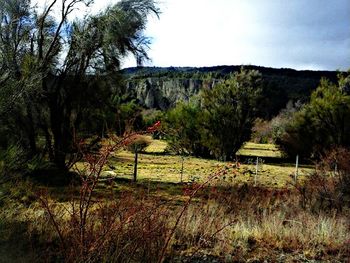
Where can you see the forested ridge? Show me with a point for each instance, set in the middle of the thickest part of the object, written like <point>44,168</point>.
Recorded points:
<point>281,85</point>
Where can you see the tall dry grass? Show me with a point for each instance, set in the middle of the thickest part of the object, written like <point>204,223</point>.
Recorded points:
<point>134,228</point>
<point>224,223</point>
<point>243,234</point>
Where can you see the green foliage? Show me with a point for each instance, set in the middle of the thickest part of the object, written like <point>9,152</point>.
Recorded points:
<point>262,132</point>
<point>51,85</point>
<point>182,126</point>
<point>279,123</point>
<point>129,117</point>
<point>12,159</point>
<point>321,124</point>
<point>280,85</point>
<point>230,109</point>
<point>151,116</point>
<point>37,163</point>
<point>219,121</point>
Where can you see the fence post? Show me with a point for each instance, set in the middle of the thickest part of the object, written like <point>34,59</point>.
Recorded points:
<point>296,168</point>
<point>256,171</point>
<point>135,164</point>
<point>335,169</point>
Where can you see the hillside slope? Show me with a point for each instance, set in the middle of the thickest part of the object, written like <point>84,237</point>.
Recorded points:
<point>162,88</point>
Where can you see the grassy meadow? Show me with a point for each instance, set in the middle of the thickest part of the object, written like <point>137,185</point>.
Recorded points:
<point>156,166</point>
<point>230,219</point>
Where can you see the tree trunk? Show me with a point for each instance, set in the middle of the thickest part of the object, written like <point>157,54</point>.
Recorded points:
<point>60,113</point>
<point>31,132</point>
<point>57,131</point>
<point>48,142</point>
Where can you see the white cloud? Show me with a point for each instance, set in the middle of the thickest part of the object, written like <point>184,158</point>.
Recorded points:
<point>312,34</point>
<point>275,33</point>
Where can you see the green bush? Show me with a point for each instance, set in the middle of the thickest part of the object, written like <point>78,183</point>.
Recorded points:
<point>183,129</point>
<point>229,110</point>
<point>13,159</point>
<point>321,124</point>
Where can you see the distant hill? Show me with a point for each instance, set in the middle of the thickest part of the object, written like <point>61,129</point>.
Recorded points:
<point>224,70</point>
<point>162,88</point>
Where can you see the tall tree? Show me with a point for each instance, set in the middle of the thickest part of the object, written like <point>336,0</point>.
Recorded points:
<point>182,128</point>
<point>17,81</point>
<point>51,66</point>
<point>230,109</point>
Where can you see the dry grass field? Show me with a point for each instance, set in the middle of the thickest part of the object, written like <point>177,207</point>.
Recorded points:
<point>155,166</point>
<point>230,219</point>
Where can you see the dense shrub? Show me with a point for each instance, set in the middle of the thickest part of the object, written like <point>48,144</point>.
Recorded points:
<point>321,124</point>
<point>262,131</point>
<point>151,116</point>
<point>220,120</point>
<point>183,129</point>
<point>229,110</point>
<point>12,160</point>
<point>328,188</point>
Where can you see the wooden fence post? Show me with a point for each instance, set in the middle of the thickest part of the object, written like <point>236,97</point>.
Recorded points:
<point>296,168</point>
<point>135,164</point>
<point>256,171</point>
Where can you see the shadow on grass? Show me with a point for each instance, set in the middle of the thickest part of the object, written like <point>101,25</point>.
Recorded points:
<point>53,177</point>
<point>149,186</point>
<point>179,192</point>
<point>16,245</point>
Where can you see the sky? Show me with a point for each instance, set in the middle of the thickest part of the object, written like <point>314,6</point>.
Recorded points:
<point>299,34</point>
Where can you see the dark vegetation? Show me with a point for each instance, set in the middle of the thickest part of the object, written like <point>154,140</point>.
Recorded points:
<point>219,120</point>
<point>66,109</point>
<point>222,119</point>
<point>280,85</point>
<point>60,80</point>
<point>321,124</point>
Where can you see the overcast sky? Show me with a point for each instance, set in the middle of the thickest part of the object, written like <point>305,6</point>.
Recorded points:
<point>300,34</point>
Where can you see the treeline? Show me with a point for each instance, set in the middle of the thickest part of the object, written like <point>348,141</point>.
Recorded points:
<point>218,121</point>
<point>221,72</point>
<point>280,85</point>
<point>304,112</point>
